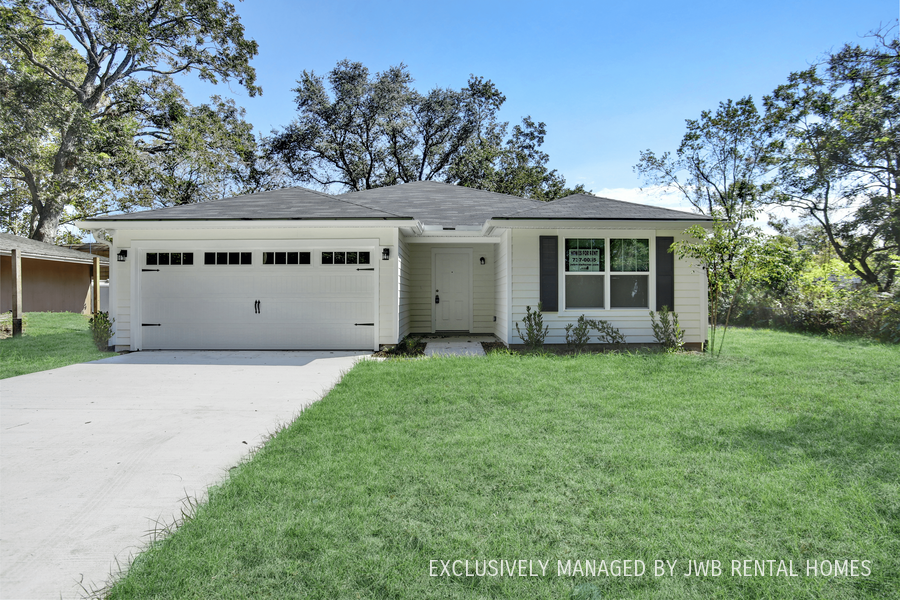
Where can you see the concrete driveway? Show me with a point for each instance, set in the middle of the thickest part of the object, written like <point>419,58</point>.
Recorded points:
<point>92,456</point>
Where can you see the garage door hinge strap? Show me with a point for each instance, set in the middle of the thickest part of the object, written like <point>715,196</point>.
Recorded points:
<point>151,325</point>
<point>369,269</point>
<point>365,324</point>
<point>145,270</point>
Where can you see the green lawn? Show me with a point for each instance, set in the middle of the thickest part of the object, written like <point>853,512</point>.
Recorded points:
<point>787,449</point>
<point>50,340</point>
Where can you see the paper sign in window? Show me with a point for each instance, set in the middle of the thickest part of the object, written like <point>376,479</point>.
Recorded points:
<point>584,260</point>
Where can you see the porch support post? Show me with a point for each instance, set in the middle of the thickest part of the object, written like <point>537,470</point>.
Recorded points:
<point>16,261</point>
<point>95,278</point>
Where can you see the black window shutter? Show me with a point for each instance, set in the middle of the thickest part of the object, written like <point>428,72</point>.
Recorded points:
<point>549,263</point>
<point>665,273</point>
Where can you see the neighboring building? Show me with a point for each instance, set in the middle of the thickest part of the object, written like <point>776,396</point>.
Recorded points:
<point>54,279</point>
<point>299,269</point>
<point>97,248</point>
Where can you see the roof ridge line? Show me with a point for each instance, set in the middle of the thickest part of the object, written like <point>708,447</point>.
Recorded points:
<point>573,196</point>
<point>372,208</point>
<point>511,196</point>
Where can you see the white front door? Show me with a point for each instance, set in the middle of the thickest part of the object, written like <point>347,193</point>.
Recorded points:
<point>453,290</point>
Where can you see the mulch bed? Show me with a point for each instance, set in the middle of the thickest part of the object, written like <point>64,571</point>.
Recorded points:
<point>492,346</point>
<point>402,351</point>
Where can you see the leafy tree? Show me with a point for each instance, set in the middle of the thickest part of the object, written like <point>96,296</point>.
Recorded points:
<point>722,165</point>
<point>840,122</point>
<point>517,166</point>
<point>361,131</point>
<point>81,131</point>
<point>731,264</point>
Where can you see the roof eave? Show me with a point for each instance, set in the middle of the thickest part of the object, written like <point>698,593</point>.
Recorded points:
<point>532,222</point>
<point>93,224</point>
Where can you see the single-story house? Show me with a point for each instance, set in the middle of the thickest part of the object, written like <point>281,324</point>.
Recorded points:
<point>300,269</point>
<point>54,279</point>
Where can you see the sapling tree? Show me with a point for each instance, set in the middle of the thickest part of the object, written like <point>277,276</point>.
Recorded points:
<point>731,262</point>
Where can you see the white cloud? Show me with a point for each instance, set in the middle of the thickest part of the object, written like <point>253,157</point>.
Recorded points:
<point>658,195</point>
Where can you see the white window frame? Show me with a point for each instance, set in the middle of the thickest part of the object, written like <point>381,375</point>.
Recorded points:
<point>607,236</point>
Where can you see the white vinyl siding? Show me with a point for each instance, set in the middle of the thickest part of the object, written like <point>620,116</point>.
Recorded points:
<point>421,292</point>
<point>690,293</point>
<point>404,286</point>
<point>501,287</point>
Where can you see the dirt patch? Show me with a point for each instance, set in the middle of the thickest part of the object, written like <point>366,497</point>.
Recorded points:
<point>408,348</point>
<point>6,325</point>
<point>493,346</point>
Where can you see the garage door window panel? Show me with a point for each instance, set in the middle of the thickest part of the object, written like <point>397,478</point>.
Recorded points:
<point>226,258</point>
<point>155,259</point>
<point>285,258</point>
<point>346,258</point>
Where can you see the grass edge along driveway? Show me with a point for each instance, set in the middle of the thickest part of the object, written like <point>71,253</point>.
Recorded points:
<point>785,449</point>
<point>50,341</point>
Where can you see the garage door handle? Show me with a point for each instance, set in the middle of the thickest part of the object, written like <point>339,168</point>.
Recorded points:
<point>145,270</point>
<point>365,324</point>
<point>369,269</point>
<point>151,325</point>
<point>256,307</point>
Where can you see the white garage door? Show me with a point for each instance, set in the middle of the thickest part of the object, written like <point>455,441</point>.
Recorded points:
<point>258,300</point>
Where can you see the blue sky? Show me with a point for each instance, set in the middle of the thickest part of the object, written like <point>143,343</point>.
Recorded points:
<point>608,79</point>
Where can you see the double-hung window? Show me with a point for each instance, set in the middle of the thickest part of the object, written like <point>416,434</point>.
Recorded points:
<point>606,273</point>
<point>585,269</point>
<point>629,279</point>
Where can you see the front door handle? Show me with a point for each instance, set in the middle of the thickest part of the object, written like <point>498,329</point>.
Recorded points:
<point>437,299</point>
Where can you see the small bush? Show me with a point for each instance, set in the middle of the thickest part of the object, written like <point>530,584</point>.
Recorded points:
<point>535,331</point>
<point>667,331</point>
<point>608,333</point>
<point>101,329</point>
<point>578,335</point>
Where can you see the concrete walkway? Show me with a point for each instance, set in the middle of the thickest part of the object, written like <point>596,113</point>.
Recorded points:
<point>93,455</point>
<point>456,345</point>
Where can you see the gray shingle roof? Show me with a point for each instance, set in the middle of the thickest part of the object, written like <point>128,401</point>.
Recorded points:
<point>34,249</point>
<point>289,203</point>
<point>430,202</point>
<point>587,207</point>
<point>435,203</point>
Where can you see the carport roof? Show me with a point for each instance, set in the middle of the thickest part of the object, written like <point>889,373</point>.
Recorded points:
<point>295,203</point>
<point>42,250</point>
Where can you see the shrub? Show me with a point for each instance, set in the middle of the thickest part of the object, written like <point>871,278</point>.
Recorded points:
<point>820,302</point>
<point>101,329</point>
<point>667,331</point>
<point>608,333</point>
<point>535,331</point>
<point>578,335</point>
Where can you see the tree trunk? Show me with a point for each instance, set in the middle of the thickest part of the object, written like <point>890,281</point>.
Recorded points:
<point>48,221</point>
